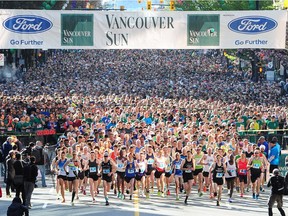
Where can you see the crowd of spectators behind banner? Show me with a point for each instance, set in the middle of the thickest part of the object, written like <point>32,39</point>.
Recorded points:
<point>167,93</point>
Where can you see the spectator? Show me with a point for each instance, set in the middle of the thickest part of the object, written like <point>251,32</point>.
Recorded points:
<point>17,209</point>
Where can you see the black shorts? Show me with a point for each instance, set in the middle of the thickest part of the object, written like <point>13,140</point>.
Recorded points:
<point>81,175</point>
<point>168,174</point>
<point>206,174</point>
<point>121,174</point>
<point>128,179</point>
<point>94,177</point>
<point>218,181</point>
<point>243,178</point>
<point>62,177</point>
<point>197,171</point>
<point>107,178</point>
<point>86,172</point>
<point>255,174</point>
<point>158,174</point>
<point>71,178</point>
<point>149,171</point>
<point>230,179</point>
<point>139,177</point>
<point>187,177</point>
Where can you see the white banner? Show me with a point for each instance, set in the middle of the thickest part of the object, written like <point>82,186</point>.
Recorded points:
<point>23,29</point>
<point>2,59</point>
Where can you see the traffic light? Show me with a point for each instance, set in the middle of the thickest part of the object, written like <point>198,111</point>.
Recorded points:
<point>172,5</point>
<point>149,5</point>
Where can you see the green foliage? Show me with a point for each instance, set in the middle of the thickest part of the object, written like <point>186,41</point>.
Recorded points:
<point>226,5</point>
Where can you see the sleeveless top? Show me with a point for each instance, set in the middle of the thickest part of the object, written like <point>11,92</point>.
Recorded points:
<point>130,169</point>
<point>188,164</point>
<point>218,171</point>
<point>61,167</point>
<point>106,167</point>
<point>120,165</point>
<point>242,167</point>
<point>93,167</point>
<point>232,169</point>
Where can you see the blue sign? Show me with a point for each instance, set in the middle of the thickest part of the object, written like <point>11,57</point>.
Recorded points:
<point>252,25</point>
<point>27,24</point>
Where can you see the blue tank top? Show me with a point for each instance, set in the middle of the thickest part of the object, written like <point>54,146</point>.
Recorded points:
<point>177,166</point>
<point>130,170</point>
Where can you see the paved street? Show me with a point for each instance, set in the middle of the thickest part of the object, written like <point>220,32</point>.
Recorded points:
<point>44,203</point>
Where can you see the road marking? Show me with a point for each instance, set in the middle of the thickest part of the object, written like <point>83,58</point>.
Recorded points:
<point>136,204</point>
<point>44,206</point>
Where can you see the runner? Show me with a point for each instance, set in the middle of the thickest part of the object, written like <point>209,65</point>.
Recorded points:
<point>54,170</point>
<point>93,167</point>
<point>217,171</point>
<point>160,164</point>
<point>72,174</point>
<point>150,170</point>
<point>176,166</point>
<point>207,160</point>
<point>188,166</point>
<point>120,160</point>
<point>130,170</point>
<point>108,167</point>
<point>62,176</point>
<point>168,168</point>
<point>256,168</point>
<point>242,163</point>
<point>230,175</point>
<point>140,174</point>
<point>198,169</point>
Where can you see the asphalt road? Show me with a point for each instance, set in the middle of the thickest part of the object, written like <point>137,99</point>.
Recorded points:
<point>45,203</point>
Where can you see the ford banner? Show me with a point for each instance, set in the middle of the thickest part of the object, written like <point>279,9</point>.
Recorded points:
<point>49,29</point>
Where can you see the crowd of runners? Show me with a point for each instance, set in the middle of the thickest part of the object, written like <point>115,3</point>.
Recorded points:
<point>139,121</point>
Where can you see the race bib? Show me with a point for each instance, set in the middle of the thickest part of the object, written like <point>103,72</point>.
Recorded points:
<point>256,166</point>
<point>161,165</point>
<point>106,171</point>
<point>92,169</point>
<point>243,171</point>
<point>131,171</point>
<point>219,175</point>
<point>120,166</point>
<point>150,161</point>
<point>177,166</point>
<point>39,126</point>
<point>73,168</point>
<point>232,171</point>
<point>142,170</point>
<point>9,129</point>
<point>188,171</point>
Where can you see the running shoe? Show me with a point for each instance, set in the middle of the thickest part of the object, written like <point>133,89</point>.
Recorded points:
<point>241,195</point>
<point>204,189</point>
<point>247,190</point>
<point>217,204</point>
<point>257,196</point>
<point>253,196</point>
<point>177,198</point>
<point>215,194</point>
<point>115,192</point>
<point>162,194</point>
<point>200,194</point>
<point>159,193</point>
<point>119,195</point>
<point>8,196</point>
<point>237,189</point>
<point>185,201</point>
<point>122,196</point>
<point>93,201</point>
<point>84,192</point>
<point>168,193</point>
<point>127,191</point>
<point>130,197</point>
<point>147,195</point>
<point>107,203</point>
<point>230,200</point>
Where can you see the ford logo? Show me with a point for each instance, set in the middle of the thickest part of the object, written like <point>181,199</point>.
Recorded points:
<point>252,25</point>
<point>27,24</point>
